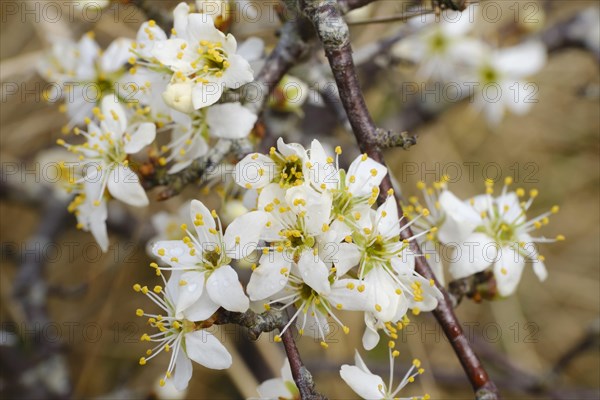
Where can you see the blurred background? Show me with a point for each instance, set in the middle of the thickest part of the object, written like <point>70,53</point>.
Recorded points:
<point>68,322</point>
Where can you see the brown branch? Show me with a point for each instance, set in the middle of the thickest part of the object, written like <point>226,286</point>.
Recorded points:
<point>302,376</point>
<point>255,323</point>
<point>334,35</point>
<point>269,321</point>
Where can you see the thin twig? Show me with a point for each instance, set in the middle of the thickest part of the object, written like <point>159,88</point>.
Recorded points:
<point>392,18</point>
<point>302,376</point>
<point>334,34</point>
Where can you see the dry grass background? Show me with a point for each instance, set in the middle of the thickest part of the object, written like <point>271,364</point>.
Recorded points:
<point>559,136</point>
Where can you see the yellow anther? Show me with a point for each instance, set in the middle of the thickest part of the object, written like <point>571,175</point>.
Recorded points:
<point>143,361</point>
<point>338,150</point>
<point>137,287</point>
<point>324,345</point>
<point>361,288</point>
<point>139,312</point>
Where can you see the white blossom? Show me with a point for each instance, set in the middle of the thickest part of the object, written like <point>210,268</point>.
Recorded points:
<point>501,75</point>
<point>440,45</point>
<point>283,387</point>
<point>494,232</point>
<point>179,335</point>
<point>84,74</point>
<point>105,166</point>
<point>372,387</point>
<point>201,261</point>
<point>192,132</point>
<point>203,61</point>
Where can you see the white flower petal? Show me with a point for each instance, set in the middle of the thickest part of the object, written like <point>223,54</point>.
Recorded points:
<point>267,279</point>
<point>273,389</point>
<point>387,217</point>
<point>206,350</point>
<point>314,272</point>
<point>124,185</point>
<point>474,255</point>
<point>461,219</point>
<point>115,119</point>
<point>199,212</point>
<point>202,309</point>
<point>180,17</point>
<point>142,137</point>
<point>370,337</point>
<point>344,298</point>
<point>520,61</point>
<point>230,120</point>
<point>381,292</point>
<point>508,270</point>
<point>239,72</point>
<point>252,49</point>
<point>364,384</point>
<point>367,174</point>
<point>346,257</point>
<point>175,253</point>
<point>225,289</point>
<point>243,234</point>
<point>116,55</point>
<point>206,94</point>
<point>183,371</point>
<point>254,171</point>
<point>190,292</point>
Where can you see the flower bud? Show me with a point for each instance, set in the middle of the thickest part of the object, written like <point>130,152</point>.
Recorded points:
<point>178,96</point>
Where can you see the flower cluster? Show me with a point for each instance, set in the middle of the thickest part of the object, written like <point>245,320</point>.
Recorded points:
<point>318,243</point>
<point>326,249</point>
<point>322,249</point>
<point>136,89</point>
